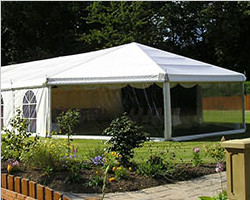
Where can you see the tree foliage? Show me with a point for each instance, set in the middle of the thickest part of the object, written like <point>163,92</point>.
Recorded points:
<point>214,32</point>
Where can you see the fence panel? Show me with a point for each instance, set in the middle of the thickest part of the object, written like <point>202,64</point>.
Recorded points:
<point>16,188</point>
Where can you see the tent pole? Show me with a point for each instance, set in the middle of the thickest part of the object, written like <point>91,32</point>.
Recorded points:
<point>167,111</point>
<point>243,105</point>
<point>49,113</point>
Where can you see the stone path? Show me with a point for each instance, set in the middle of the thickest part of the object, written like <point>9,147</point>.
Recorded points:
<point>207,185</point>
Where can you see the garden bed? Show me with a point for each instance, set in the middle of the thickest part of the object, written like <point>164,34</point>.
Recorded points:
<point>132,182</point>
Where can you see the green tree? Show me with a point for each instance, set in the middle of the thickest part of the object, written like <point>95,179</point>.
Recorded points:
<point>39,30</point>
<point>228,31</point>
<point>116,23</point>
<point>67,122</point>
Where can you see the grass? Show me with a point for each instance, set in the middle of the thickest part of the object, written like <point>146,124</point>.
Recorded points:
<point>223,116</point>
<point>180,150</point>
<point>247,117</point>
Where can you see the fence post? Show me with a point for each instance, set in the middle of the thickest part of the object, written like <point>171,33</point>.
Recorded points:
<point>11,182</point>
<point>40,192</point>
<point>4,181</point>
<point>17,184</point>
<point>32,189</point>
<point>25,186</point>
<point>238,168</point>
<point>48,194</point>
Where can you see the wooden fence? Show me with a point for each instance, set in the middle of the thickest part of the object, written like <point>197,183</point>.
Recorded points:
<point>17,188</point>
<point>227,103</point>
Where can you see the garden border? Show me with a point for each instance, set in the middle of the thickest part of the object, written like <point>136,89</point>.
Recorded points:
<point>17,188</point>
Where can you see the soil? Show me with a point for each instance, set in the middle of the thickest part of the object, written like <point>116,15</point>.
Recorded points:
<point>132,182</point>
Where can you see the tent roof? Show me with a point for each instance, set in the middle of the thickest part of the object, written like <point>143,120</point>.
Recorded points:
<point>129,63</point>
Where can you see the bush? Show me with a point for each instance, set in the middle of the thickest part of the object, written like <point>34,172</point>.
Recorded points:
<point>17,139</point>
<point>125,136</point>
<point>46,153</point>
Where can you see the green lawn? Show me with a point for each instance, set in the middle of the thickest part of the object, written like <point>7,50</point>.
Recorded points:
<point>223,116</point>
<point>247,117</point>
<point>176,150</point>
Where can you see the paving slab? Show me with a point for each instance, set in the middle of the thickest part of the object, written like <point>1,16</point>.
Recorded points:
<point>208,185</point>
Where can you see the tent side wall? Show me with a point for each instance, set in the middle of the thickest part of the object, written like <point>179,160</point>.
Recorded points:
<point>33,102</point>
<point>8,106</point>
<point>207,109</point>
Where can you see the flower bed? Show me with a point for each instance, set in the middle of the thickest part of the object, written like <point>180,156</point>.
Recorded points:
<point>133,181</point>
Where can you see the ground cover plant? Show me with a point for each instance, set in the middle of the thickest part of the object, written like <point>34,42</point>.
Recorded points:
<point>94,166</point>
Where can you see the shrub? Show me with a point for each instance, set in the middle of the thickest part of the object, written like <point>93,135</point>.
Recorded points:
<point>125,136</point>
<point>46,153</point>
<point>17,139</point>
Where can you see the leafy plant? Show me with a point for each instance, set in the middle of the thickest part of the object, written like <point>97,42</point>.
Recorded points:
<point>95,180</point>
<point>121,172</point>
<point>74,171</point>
<point>155,167</point>
<point>112,159</point>
<point>67,122</point>
<point>216,151</point>
<point>47,174</point>
<point>46,153</point>
<point>125,136</point>
<point>221,196</point>
<point>17,139</point>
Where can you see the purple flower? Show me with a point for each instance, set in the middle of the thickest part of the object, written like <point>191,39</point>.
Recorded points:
<point>16,163</point>
<point>13,162</point>
<point>98,160</point>
<point>219,167</point>
<point>196,150</point>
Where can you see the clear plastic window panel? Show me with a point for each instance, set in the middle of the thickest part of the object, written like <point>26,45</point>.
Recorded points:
<point>99,105</point>
<point>29,110</point>
<point>206,108</point>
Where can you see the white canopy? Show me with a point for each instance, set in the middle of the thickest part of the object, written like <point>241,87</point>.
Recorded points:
<point>130,63</point>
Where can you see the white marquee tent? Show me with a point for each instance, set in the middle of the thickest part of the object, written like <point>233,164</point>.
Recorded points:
<point>39,86</point>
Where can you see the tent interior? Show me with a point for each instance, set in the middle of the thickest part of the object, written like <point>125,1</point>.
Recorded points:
<point>196,108</point>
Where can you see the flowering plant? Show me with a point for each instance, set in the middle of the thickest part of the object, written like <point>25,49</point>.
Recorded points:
<point>98,160</point>
<point>112,159</point>
<point>196,157</point>
<point>13,165</point>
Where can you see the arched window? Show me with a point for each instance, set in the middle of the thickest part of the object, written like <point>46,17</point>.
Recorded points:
<point>29,110</point>
<point>2,112</point>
